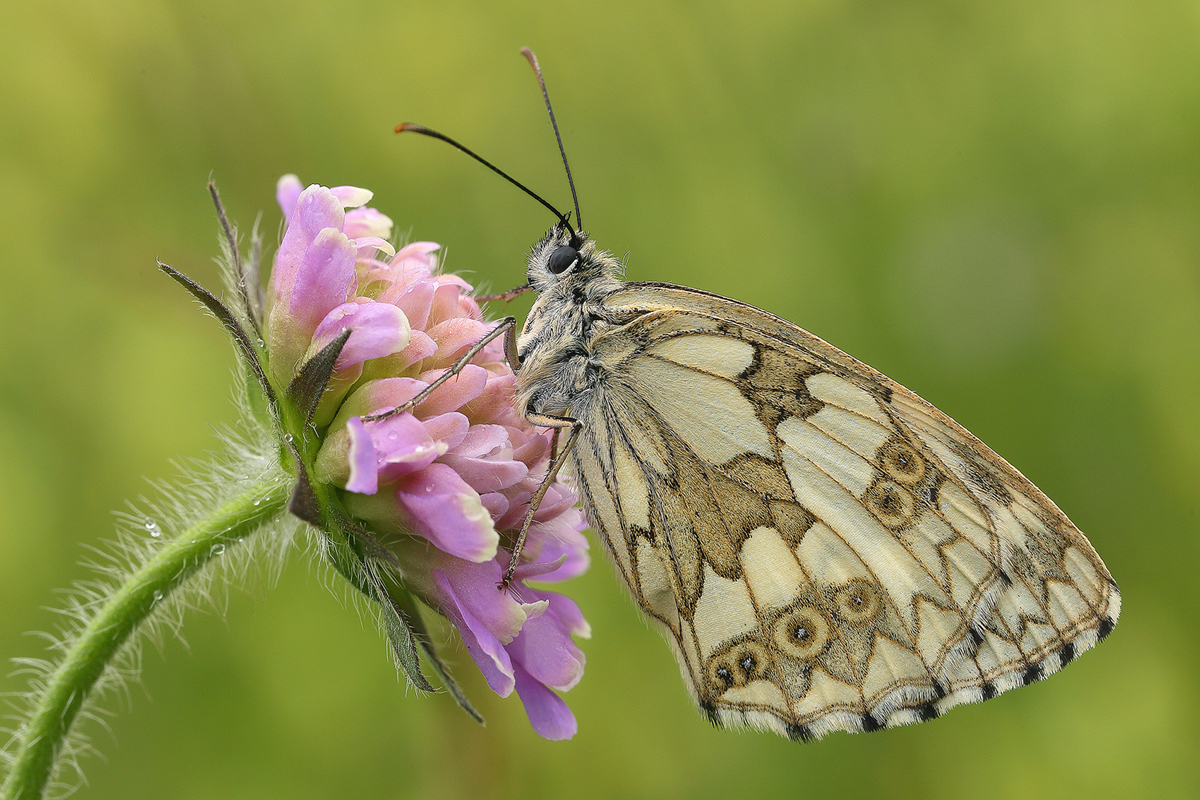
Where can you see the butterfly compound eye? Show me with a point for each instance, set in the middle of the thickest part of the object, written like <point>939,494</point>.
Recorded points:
<point>562,259</point>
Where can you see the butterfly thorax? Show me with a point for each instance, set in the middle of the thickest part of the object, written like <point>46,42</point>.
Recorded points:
<point>555,346</point>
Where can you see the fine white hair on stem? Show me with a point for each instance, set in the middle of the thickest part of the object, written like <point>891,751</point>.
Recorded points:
<point>247,457</point>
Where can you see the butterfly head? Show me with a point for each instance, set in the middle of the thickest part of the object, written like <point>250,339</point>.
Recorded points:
<point>565,259</point>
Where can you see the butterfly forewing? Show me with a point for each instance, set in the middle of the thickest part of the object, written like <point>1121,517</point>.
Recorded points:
<point>825,550</point>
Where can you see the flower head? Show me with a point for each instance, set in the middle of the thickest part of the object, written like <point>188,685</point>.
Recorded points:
<point>446,481</point>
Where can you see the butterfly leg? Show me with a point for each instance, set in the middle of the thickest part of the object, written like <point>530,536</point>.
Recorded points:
<point>505,296</point>
<point>504,328</point>
<point>535,502</point>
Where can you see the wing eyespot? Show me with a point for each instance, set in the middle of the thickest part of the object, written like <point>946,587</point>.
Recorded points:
<point>858,601</point>
<point>901,461</point>
<point>802,633</point>
<point>737,665</point>
<point>891,503</point>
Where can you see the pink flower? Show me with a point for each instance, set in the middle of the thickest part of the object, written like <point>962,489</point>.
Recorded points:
<point>447,482</point>
<point>520,639</point>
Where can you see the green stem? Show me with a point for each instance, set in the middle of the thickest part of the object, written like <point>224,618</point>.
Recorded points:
<point>41,740</point>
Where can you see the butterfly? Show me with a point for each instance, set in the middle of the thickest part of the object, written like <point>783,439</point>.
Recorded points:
<point>823,549</point>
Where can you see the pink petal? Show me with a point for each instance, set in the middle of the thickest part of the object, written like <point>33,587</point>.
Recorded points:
<point>419,348</point>
<point>567,612</point>
<point>555,545</point>
<point>368,246</point>
<point>364,470</point>
<point>287,192</point>
<point>381,395</point>
<point>419,251</point>
<point>486,475</point>
<point>481,440</point>
<point>489,655</point>
<point>415,301</point>
<point>525,572</point>
<point>495,503</point>
<point>448,512</point>
<point>557,500</point>
<point>475,590</point>
<point>445,302</point>
<point>455,335</point>
<point>376,330</point>
<point>403,446</point>
<point>517,508</point>
<point>367,222</point>
<point>452,394</point>
<point>456,280</point>
<point>449,428</point>
<point>408,272</point>
<point>324,277</point>
<point>533,451</point>
<point>468,307</point>
<point>546,650</point>
<point>314,283</point>
<point>496,401</point>
<point>548,713</point>
<point>314,210</point>
<point>352,196</point>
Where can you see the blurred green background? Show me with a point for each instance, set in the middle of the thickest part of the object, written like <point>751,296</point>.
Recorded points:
<point>997,204</point>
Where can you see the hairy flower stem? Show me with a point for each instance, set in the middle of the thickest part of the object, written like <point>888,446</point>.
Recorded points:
<point>41,741</point>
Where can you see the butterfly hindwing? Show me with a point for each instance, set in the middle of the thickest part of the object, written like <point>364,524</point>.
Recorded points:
<point>825,550</point>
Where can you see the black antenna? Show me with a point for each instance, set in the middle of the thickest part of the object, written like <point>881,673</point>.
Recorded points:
<point>533,62</point>
<point>409,127</point>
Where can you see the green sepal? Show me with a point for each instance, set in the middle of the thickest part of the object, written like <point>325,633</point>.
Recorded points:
<point>348,560</point>
<point>248,287</point>
<point>240,338</point>
<point>413,613</point>
<point>305,504</point>
<point>358,557</point>
<point>400,633</point>
<point>251,276</point>
<point>372,548</point>
<point>253,396</point>
<point>305,390</point>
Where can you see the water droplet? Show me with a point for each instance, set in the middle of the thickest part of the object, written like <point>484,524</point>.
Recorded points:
<point>257,500</point>
<point>218,549</point>
<point>287,437</point>
<point>261,343</point>
<point>152,528</point>
<point>158,595</point>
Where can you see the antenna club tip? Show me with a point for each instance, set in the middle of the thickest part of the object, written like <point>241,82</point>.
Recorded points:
<point>407,126</point>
